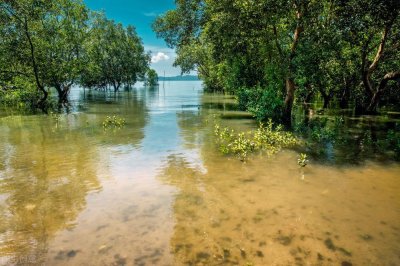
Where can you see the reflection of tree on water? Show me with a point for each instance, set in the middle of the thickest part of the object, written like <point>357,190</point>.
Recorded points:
<point>259,213</point>
<point>189,199</point>
<point>350,140</point>
<point>190,124</point>
<point>50,165</point>
<point>152,93</point>
<point>195,206</point>
<point>129,105</point>
<point>210,215</point>
<point>46,179</point>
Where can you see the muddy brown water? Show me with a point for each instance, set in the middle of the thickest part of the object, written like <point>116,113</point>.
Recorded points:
<point>157,192</point>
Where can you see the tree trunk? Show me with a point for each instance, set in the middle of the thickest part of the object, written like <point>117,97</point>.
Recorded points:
<point>290,85</point>
<point>373,104</point>
<point>309,95</point>
<point>116,86</point>
<point>326,102</point>
<point>344,97</point>
<point>374,95</point>
<point>63,92</point>
<point>289,99</point>
<point>42,102</point>
<point>372,107</point>
<point>326,97</point>
<point>63,97</point>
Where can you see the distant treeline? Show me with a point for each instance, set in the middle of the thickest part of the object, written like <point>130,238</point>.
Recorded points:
<point>55,44</point>
<point>276,54</point>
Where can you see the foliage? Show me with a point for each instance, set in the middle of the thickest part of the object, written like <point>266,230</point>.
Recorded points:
<point>344,52</point>
<point>44,41</point>
<point>19,93</point>
<point>151,79</point>
<point>20,98</point>
<point>268,138</point>
<point>52,45</point>
<point>114,55</point>
<point>302,160</point>
<point>262,103</point>
<point>114,121</point>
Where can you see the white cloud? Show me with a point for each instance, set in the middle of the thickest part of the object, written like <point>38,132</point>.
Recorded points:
<point>150,14</point>
<point>164,66</point>
<point>160,56</point>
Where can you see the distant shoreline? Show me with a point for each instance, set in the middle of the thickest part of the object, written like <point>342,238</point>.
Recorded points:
<point>179,78</point>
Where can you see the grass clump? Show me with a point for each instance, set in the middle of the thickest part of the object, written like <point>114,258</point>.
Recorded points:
<point>266,138</point>
<point>114,121</point>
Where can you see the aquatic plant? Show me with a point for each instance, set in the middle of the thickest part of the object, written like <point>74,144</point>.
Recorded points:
<point>318,129</point>
<point>55,116</point>
<point>113,122</point>
<point>268,138</point>
<point>302,160</point>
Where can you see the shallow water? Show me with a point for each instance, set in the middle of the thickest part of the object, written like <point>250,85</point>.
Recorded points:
<point>157,192</point>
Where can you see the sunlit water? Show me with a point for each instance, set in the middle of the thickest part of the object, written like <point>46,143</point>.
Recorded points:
<point>157,192</point>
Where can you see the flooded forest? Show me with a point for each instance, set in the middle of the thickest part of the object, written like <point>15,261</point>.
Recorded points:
<point>279,145</point>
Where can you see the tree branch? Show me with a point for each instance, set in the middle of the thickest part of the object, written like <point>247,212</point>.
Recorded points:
<point>381,48</point>
<point>389,76</point>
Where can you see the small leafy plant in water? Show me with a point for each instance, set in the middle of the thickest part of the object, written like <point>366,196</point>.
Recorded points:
<point>55,116</point>
<point>113,122</point>
<point>302,160</point>
<point>268,138</point>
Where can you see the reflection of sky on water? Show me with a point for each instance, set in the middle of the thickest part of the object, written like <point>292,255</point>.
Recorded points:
<point>162,132</point>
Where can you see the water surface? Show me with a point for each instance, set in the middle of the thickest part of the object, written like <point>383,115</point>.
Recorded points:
<point>157,192</point>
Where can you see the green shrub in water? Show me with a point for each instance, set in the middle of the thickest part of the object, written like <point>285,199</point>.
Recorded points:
<point>113,122</point>
<point>265,138</point>
<point>263,103</point>
<point>21,94</point>
<point>302,160</point>
<point>21,98</point>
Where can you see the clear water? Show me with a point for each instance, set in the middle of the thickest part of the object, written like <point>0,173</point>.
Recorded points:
<point>157,192</point>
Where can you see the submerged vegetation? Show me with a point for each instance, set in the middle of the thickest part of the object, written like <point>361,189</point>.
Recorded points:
<point>114,121</point>
<point>266,138</point>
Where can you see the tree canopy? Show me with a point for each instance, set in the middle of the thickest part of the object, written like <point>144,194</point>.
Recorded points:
<point>273,54</point>
<point>151,78</point>
<point>115,55</point>
<point>57,44</point>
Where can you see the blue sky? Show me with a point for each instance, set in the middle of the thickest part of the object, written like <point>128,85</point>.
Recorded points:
<point>141,13</point>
